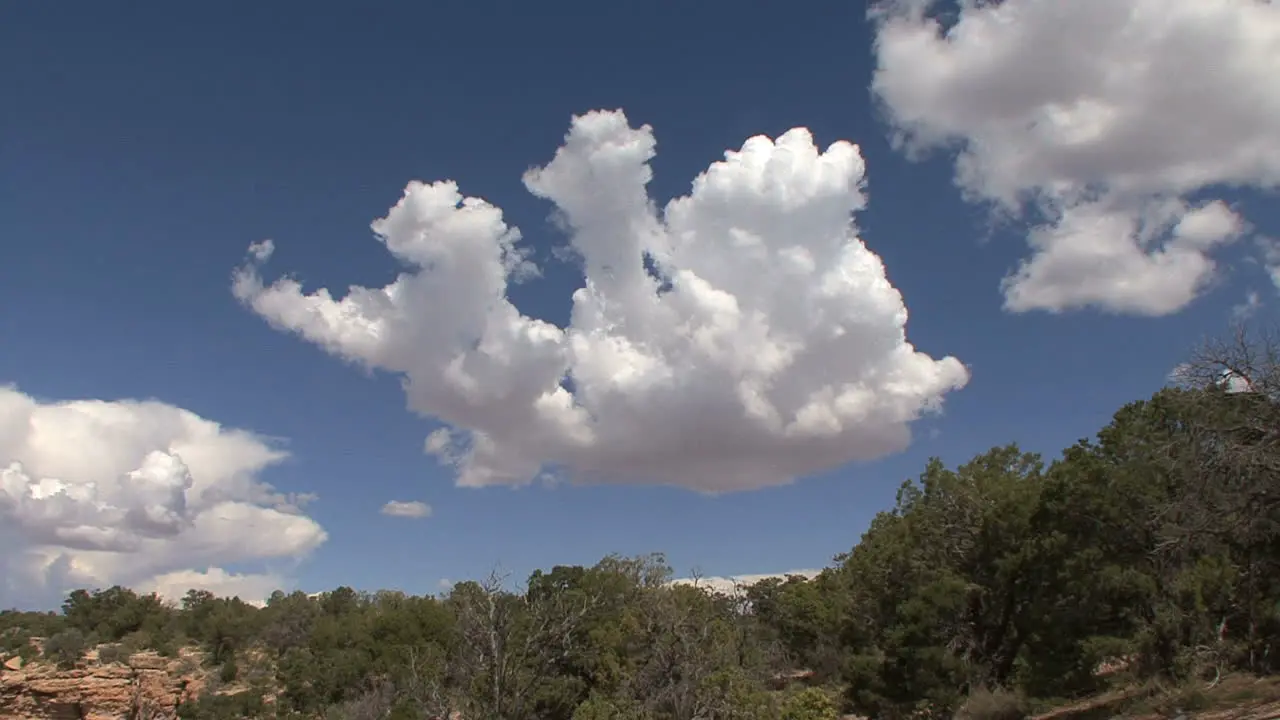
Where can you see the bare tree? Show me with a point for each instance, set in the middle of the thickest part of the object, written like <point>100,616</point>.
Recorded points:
<point>424,681</point>
<point>1245,359</point>
<point>1231,428</point>
<point>509,643</point>
<point>688,637</point>
<point>1226,450</point>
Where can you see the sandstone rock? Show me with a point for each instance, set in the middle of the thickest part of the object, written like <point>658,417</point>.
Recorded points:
<point>148,661</point>
<point>13,663</point>
<point>150,686</point>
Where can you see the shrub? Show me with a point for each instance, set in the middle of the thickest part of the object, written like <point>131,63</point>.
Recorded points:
<point>135,642</point>
<point>998,704</point>
<point>66,648</point>
<point>28,652</point>
<point>225,707</point>
<point>229,671</point>
<point>810,704</point>
<point>108,654</point>
<point>17,641</point>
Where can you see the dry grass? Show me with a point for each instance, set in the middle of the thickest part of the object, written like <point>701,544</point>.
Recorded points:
<point>998,704</point>
<point>1236,697</point>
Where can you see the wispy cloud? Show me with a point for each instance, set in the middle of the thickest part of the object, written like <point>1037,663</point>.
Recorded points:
<point>406,509</point>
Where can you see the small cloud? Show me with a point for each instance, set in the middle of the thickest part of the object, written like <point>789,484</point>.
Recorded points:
<point>406,509</point>
<point>1270,248</point>
<point>1246,309</point>
<point>261,251</point>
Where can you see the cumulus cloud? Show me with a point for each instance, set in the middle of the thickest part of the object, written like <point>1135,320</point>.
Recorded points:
<point>406,509</point>
<point>253,588</point>
<point>734,584</point>
<point>1099,120</point>
<point>740,337</point>
<point>95,493</point>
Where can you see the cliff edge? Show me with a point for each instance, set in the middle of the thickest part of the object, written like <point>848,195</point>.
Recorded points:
<point>143,686</point>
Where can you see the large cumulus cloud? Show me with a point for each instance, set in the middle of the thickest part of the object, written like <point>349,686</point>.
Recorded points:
<point>1112,125</point>
<point>767,344</point>
<point>95,493</point>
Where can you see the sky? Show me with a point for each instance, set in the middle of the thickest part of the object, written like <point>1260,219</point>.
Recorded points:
<point>388,295</point>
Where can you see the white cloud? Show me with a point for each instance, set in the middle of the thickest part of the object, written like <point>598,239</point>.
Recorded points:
<point>253,588</point>
<point>406,509</point>
<point>1271,258</point>
<point>1113,259</point>
<point>1247,308</point>
<point>733,584</point>
<point>95,493</point>
<point>262,250</point>
<point>772,347</point>
<point>1099,118</point>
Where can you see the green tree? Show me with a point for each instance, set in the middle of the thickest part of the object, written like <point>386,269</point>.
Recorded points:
<point>940,588</point>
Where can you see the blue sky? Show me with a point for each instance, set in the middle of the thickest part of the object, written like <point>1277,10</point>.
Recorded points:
<point>142,149</point>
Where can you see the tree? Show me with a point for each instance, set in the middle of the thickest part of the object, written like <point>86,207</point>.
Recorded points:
<point>801,616</point>
<point>510,644</point>
<point>941,586</point>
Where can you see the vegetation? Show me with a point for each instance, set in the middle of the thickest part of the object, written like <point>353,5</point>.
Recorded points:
<point>1148,554</point>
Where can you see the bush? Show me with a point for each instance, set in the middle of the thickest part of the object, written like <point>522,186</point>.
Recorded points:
<point>15,641</point>
<point>225,707</point>
<point>135,642</point>
<point>28,652</point>
<point>12,640</point>
<point>1000,704</point>
<point>810,704</point>
<point>108,654</point>
<point>66,648</point>
<point>605,708</point>
<point>229,671</point>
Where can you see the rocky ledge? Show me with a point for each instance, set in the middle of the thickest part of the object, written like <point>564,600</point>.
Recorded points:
<point>146,686</point>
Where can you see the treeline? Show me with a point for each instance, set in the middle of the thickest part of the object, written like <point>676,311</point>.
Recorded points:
<point>1150,553</point>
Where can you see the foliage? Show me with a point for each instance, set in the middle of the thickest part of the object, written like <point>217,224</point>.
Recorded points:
<point>108,654</point>
<point>225,707</point>
<point>810,704</point>
<point>66,648</point>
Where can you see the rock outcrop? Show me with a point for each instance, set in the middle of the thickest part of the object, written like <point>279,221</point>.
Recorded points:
<point>146,686</point>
